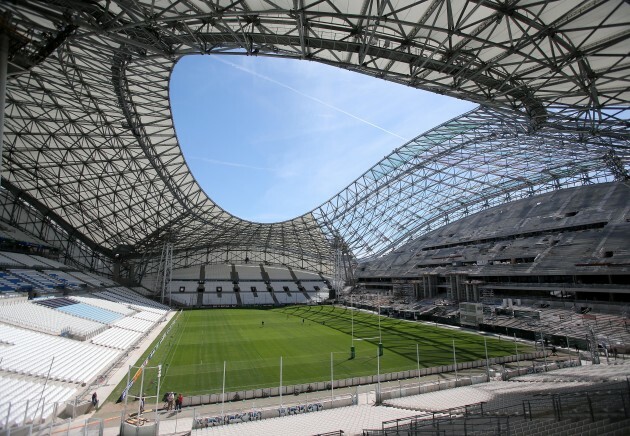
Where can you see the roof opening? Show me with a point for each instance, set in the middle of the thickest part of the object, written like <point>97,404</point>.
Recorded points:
<point>269,139</point>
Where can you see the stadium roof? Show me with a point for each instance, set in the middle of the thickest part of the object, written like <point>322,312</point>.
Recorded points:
<point>89,136</point>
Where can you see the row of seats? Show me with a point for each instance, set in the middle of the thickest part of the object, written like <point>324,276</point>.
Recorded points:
<point>25,399</point>
<point>65,278</point>
<point>306,275</point>
<point>223,272</point>
<point>352,420</point>
<point>104,304</point>
<point>13,283</point>
<point>93,280</point>
<point>42,282</point>
<point>219,299</point>
<point>74,361</point>
<point>149,316</point>
<point>53,302</point>
<point>98,314</point>
<point>135,324</point>
<point>29,355</point>
<point>117,337</point>
<point>124,295</point>
<point>21,280</point>
<point>248,272</point>
<point>27,260</point>
<point>29,315</point>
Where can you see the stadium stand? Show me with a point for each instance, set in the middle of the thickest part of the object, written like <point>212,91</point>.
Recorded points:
<point>26,260</point>
<point>306,275</point>
<point>86,278</point>
<point>117,337</point>
<point>352,419</point>
<point>124,295</point>
<point>50,262</point>
<point>135,324</point>
<point>23,406</point>
<point>248,272</point>
<point>93,174</point>
<point>66,279</point>
<point>244,277</point>
<point>42,283</point>
<point>104,304</point>
<point>13,283</point>
<point>176,285</point>
<point>8,261</point>
<point>185,299</point>
<point>223,298</point>
<point>74,361</point>
<point>87,311</point>
<point>220,272</point>
<point>10,234</point>
<point>247,297</point>
<point>278,273</point>
<point>34,316</point>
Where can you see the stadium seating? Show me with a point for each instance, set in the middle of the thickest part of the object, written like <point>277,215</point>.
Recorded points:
<point>219,272</point>
<point>91,312</point>
<point>224,298</point>
<point>51,321</point>
<point>248,298</point>
<point>42,282</point>
<point>8,261</point>
<point>86,278</point>
<point>186,299</point>
<point>306,275</point>
<point>12,283</point>
<point>248,272</point>
<point>81,334</point>
<point>353,419</point>
<point>50,262</point>
<point>124,295</point>
<point>116,337</point>
<point>26,260</point>
<point>278,273</point>
<point>25,395</point>
<point>135,324</point>
<point>66,279</point>
<point>31,353</point>
<point>104,304</point>
<point>188,285</point>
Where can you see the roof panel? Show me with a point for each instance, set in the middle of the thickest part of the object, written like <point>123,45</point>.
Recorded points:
<point>100,95</point>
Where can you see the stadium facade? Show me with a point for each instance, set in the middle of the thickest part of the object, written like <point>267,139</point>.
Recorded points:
<point>93,171</point>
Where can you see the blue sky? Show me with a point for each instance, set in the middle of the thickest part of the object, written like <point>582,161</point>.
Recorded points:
<point>270,139</point>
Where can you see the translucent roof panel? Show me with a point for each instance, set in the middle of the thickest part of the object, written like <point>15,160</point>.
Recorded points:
<point>89,135</point>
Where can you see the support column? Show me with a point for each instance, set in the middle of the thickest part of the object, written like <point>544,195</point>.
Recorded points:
<point>4,65</point>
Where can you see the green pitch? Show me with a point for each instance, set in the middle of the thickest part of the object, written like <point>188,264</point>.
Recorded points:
<point>194,352</point>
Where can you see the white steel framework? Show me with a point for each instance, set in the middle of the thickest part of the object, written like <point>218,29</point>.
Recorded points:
<point>89,137</point>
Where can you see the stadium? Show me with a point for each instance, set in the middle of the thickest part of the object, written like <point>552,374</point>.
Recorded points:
<point>475,280</point>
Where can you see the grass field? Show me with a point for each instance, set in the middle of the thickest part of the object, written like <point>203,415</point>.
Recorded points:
<point>194,352</point>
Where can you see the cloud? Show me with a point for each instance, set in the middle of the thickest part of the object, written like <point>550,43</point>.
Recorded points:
<point>284,136</point>
<point>310,97</point>
<point>229,164</point>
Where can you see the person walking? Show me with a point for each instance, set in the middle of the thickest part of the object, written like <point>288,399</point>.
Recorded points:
<point>180,401</point>
<point>95,400</point>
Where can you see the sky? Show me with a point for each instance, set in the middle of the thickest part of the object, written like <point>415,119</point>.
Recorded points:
<point>270,139</point>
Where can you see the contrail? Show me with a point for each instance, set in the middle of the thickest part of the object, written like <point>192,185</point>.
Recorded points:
<point>230,164</point>
<point>310,97</point>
